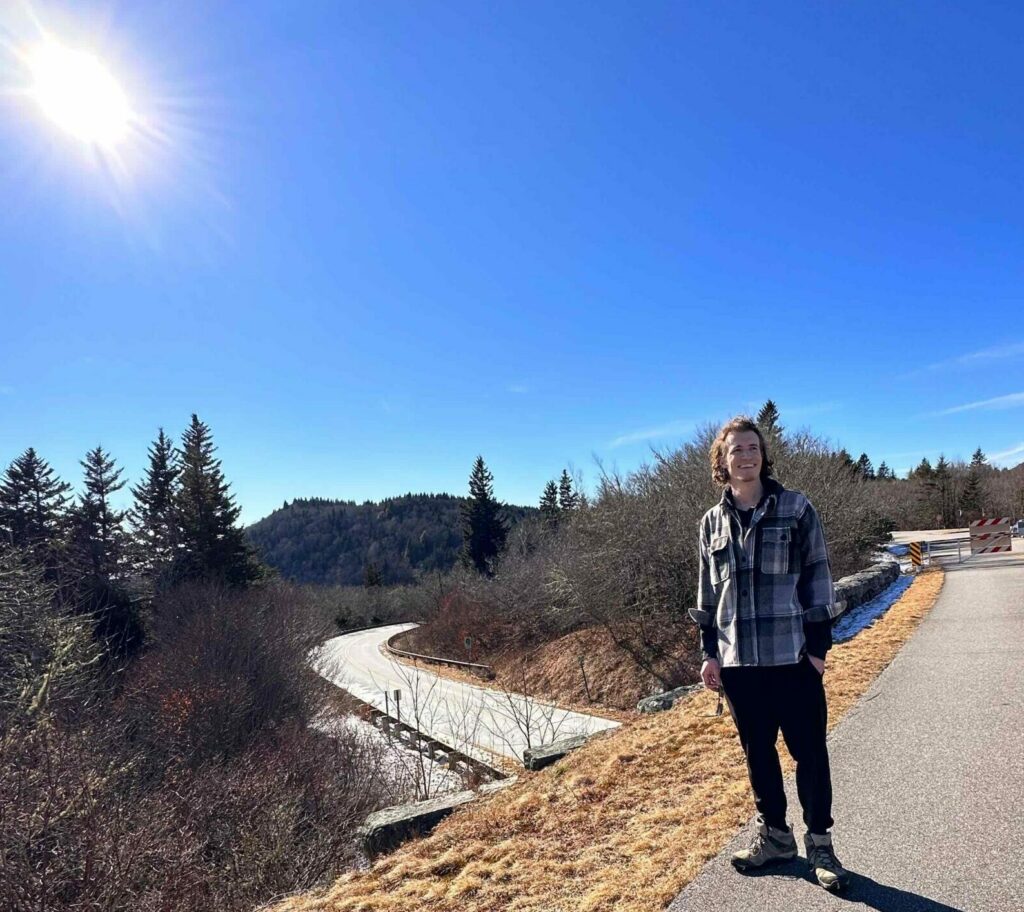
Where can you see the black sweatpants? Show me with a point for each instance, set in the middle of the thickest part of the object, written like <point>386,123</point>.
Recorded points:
<point>791,697</point>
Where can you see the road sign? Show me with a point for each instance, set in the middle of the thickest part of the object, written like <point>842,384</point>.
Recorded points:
<point>915,554</point>
<point>991,536</point>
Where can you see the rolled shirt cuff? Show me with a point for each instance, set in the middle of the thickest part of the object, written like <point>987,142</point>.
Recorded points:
<point>702,617</point>
<point>819,613</point>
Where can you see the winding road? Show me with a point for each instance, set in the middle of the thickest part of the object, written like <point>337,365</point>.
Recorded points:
<point>478,721</point>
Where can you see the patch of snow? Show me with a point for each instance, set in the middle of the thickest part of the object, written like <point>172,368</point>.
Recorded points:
<point>856,619</point>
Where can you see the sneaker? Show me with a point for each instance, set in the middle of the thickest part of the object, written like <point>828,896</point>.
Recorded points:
<point>769,844</point>
<point>823,862</point>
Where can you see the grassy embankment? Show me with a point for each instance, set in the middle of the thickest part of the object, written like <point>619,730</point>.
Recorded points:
<point>622,824</point>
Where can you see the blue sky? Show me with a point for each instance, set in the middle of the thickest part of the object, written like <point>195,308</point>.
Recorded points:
<point>367,241</point>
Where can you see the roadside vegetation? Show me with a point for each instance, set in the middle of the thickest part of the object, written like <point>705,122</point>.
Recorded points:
<point>163,741</point>
<point>157,750</point>
<point>623,823</point>
<point>588,600</point>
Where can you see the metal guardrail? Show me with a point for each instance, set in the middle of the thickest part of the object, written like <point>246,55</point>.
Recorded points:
<point>482,671</point>
<point>436,751</point>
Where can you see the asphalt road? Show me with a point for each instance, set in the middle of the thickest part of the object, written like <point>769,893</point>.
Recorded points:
<point>927,770</point>
<point>476,720</point>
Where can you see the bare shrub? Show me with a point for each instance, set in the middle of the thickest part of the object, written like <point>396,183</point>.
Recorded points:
<point>225,667</point>
<point>201,785</point>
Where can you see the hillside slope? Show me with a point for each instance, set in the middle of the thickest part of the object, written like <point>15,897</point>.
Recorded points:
<point>622,824</point>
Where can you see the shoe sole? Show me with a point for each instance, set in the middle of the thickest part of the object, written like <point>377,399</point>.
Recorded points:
<point>835,887</point>
<point>777,859</point>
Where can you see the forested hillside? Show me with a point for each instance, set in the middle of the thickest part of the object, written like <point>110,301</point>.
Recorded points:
<point>341,542</point>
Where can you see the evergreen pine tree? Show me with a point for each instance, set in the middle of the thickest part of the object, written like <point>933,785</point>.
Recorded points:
<point>99,539</point>
<point>152,517</point>
<point>568,499</point>
<point>768,420</point>
<point>978,460</point>
<point>864,466</point>
<point>34,509</point>
<point>372,576</point>
<point>483,527</point>
<point>884,472</point>
<point>846,460</point>
<point>549,509</point>
<point>100,548</point>
<point>942,488</point>
<point>210,544</point>
<point>972,495</point>
<point>923,470</point>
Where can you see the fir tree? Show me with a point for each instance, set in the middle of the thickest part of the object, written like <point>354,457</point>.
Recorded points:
<point>884,472</point>
<point>864,466</point>
<point>978,460</point>
<point>941,485</point>
<point>99,538</point>
<point>768,420</point>
<point>210,544</point>
<point>100,548</point>
<point>923,469</point>
<point>372,577</point>
<point>568,499</point>
<point>34,509</point>
<point>549,509</point>
<point>972,496</point>
<point>152,517</point>
<point>483,528</point>
<point>846,461</point>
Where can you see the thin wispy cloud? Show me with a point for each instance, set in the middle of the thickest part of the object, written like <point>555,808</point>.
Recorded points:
<point>6,390</point>
<point>1013,400</point>
<point>518,388</point>
<point>1011,455</point>
<point>980,358</point>
<point>665,430</point>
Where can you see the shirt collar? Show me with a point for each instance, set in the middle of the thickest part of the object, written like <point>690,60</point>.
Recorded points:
<point>769,496</point>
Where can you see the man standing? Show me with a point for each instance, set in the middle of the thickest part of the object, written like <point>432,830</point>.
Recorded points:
<point>765,606</point>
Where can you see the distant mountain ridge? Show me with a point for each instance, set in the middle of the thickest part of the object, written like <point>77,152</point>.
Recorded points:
<point>339,542</point>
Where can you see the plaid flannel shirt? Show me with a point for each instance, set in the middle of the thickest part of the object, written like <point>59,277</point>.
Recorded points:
<point>759,585</point>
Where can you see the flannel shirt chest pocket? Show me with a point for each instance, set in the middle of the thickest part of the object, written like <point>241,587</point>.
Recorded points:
<point>776,546</point>
<point>720,559</point>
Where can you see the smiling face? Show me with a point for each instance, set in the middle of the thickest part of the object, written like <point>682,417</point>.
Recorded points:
<point>743,456</point>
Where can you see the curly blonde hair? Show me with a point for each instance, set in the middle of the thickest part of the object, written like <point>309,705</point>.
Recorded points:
<point>719,473</point>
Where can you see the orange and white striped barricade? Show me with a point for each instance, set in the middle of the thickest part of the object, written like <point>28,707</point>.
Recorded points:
<point>991,536</point>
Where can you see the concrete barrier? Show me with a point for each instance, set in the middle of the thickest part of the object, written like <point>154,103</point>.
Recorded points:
<point>535,758</point>
<point>385,829</point>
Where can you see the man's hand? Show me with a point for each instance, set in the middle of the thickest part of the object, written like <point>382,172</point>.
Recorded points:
<point>710,674</point>
<point>817,663</point>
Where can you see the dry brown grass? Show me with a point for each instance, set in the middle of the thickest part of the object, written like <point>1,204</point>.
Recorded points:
<point>624,823</point>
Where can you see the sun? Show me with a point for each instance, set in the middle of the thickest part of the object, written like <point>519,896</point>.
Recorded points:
<point>78,93</point>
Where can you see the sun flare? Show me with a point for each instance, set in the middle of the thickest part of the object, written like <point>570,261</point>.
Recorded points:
<point>78,93</point>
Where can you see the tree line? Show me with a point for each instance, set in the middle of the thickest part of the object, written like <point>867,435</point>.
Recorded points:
<point>182,526</point>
